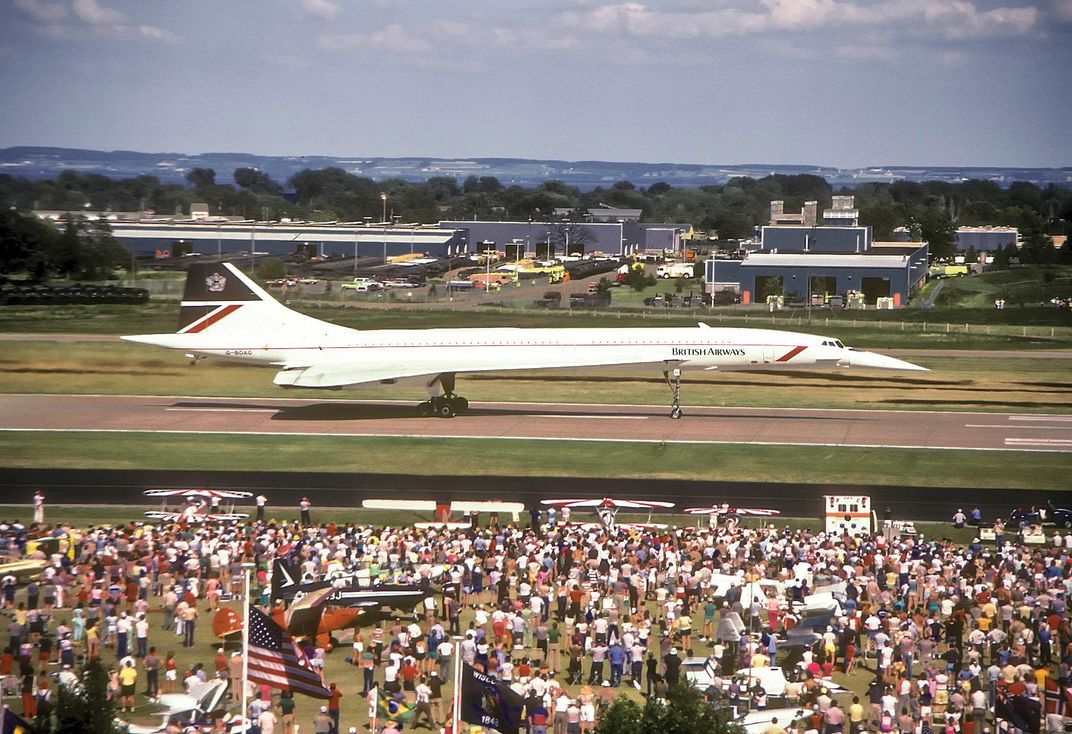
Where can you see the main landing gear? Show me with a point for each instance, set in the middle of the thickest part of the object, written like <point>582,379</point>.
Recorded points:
<point>443,406</point>
<point>446,405</point>
<point>675,392</point>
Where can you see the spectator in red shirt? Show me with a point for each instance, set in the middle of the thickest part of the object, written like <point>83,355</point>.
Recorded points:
<point>408,675</point>
<point>333,704</point>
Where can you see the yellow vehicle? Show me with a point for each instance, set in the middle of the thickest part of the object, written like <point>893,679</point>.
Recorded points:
<point>63,544</point>
<point>947,271</point>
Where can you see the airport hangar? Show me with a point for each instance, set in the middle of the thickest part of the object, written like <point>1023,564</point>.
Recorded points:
<point>807,262</point>
<point>205,234</point>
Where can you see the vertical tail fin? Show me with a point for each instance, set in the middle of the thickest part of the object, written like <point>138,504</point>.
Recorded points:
<point>213,291</point>
<point>285,580</point>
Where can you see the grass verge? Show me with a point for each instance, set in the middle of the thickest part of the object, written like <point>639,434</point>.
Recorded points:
<point>686,462</point>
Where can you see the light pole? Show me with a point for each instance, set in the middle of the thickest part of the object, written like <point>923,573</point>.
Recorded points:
<point>383,198</point>
<point>246,568</point>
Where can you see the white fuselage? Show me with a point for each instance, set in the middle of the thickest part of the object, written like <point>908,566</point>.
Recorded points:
<point>420,351</point>
<point>228,316</point>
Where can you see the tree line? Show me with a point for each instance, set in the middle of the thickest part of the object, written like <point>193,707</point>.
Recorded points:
<point>931,210</point>
<point>79,249</point>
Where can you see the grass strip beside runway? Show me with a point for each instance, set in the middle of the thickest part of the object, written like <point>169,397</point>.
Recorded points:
<point>494,457</point>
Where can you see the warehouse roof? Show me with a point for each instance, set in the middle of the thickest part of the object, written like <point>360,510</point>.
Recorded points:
<point>804,260</point>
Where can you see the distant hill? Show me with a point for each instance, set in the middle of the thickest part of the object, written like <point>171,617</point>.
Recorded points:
<point>46,163</point>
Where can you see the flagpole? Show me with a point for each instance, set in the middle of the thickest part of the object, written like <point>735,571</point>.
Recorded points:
<point>455,719</point>
<point>245,642</point>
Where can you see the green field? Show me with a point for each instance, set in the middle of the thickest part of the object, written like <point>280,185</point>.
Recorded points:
<point>84,516</point>
<point>495,457</point>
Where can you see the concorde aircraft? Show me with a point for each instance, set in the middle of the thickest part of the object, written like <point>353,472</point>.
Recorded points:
<point>225,314</point>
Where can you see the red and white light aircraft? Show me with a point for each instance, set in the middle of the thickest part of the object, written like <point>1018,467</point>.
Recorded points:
<point>730,514</point>
<point>197,505</point>
<point>607,508</point>
<point>225,314</point>
<point>444,509</point>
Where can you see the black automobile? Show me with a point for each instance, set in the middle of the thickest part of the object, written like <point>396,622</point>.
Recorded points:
<point>1059,516</point>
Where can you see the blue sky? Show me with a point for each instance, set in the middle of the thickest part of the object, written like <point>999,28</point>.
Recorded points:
<point>830,82</point>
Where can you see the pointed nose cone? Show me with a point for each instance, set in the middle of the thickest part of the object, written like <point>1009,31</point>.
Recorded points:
<point>881,362</point>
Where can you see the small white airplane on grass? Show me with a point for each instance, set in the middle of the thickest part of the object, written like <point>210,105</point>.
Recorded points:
<point>730,514</point>
<point>225,314</point>
<point>443,510</point>
<point>197,505</point>
<point>607,508</point>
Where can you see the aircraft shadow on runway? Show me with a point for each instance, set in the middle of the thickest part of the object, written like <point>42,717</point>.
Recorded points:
<point>358,411</point>
<point>371,411</point>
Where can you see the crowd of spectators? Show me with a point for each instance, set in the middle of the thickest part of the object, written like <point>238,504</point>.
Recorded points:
<point>937,632</point>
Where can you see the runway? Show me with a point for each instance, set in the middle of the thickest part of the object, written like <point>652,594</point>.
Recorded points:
<point>928,430</point>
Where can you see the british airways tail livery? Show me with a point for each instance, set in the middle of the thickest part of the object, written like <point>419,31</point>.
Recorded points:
<point>225,314</point>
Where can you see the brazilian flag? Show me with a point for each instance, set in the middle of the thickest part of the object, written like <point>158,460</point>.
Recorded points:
<point>394,708</point>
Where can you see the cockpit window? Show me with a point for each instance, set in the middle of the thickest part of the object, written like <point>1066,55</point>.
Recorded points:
<point>839,344</point>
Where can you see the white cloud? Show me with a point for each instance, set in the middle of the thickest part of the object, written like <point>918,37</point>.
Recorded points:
<point>321,8</point>
<point>92,12</point>
<point>42,11</point>
<point>88,19</point>
<point>952,19</point>
<point>393,37</point>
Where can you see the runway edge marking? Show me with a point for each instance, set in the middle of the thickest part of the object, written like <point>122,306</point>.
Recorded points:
<point>478,437</point>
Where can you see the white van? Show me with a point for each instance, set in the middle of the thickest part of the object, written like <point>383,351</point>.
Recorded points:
<point>675,270</point>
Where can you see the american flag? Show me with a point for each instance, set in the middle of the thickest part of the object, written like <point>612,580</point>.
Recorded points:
<point>275,660</point>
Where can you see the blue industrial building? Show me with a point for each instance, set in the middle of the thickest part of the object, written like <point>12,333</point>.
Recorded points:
<point>985,239</point>
<point>168,237</point>
<point>536,239</point>
<point>811,263</point>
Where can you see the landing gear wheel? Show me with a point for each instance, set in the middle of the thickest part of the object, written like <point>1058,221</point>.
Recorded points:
<point>676,413</point>
<point>424,410</point>
<point>445,409</point>
<point>460,404</point>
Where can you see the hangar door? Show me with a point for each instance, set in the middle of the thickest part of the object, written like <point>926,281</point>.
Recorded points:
<point>875,288</point>
<point>768,285</point>
<point>821,286</point>
<point>515,250</point>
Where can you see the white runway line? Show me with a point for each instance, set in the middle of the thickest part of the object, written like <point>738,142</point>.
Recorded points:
<point>595,417</point>
<point>1048,442</point>
<point>1040,448</point>
<point>224,410</point>
<point>1052,418</point>
<point>1018,428</point>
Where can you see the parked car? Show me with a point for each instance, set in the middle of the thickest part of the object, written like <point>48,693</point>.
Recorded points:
<point>187,711</point>
<point>1049,515</point>
<point>362,285</point>
<point>700,674</point>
